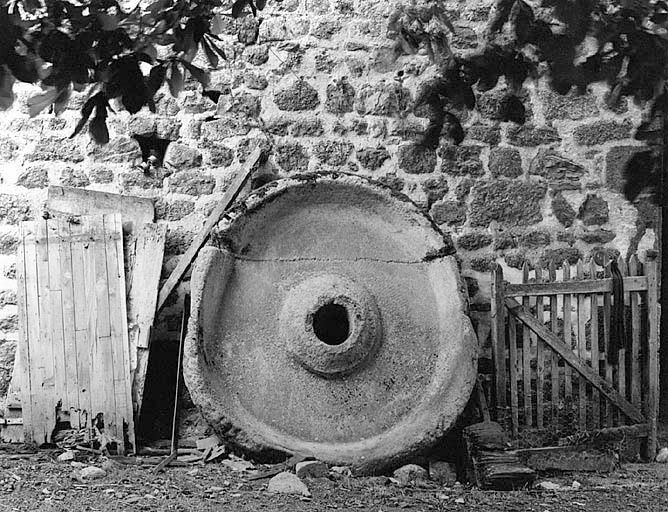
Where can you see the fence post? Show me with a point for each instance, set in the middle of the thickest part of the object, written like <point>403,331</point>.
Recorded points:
<point>499,344</point>
<point>653,316</point>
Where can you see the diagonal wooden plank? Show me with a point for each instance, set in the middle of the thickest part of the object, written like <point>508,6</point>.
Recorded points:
<point>573,361</point>
<point>214,217</point>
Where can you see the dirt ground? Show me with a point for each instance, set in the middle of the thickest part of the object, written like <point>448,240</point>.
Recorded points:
<point>41,483</point>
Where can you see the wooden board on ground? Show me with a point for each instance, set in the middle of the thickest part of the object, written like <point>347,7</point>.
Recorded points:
<point>142,290</point>
<point>73,335</point>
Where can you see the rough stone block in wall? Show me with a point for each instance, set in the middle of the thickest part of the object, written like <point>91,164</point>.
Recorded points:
<point>174,209</point>
<point>507,202</point>
<point>9,241</point>
<point>563,210</point>
<point>218,155</point>
<point>461,160</point>
<point>529,135</point>
<point>615,162</point>
<point>487,134</point>
<point>382,99</point>
<point>559,255</point>
<point>332,152</point>
<point>291,157</point>
<point>9,149</point>
<point>560,173</point>
<point>57,149</point>
<point>340,97</point>
<point>594,210</point>
<point>307,128</point>
<point>229,125</point>
<point>435,189</point>
<point>535,239</point>
<point>571,106</point>
<point>597,236</point>
<point>34,176</point>
<point>416,159</point>
<point>193,183</point>
<point>452,213</point>
<point>372,158</point>
<point>122,150</point>
<point>601,132</point>
<point>505,162</point>
<point>300,95</point>
<point>179,156</point>
<point>137,179</point>
<point>474,241</point>
<point>76,178</point>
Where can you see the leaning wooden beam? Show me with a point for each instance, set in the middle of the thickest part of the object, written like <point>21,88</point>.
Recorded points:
<point>567,354</point>
<point>229,197</point>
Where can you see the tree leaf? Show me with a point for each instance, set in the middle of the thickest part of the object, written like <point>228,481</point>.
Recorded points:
<point>39,102</point>
<point>260,4</point>
<point>86,111</point>
<point>238,8</point>
<point>197,73</point>
<point>6,88</point>
<point>210,54</point>
<point>175,80</point>
<point>216,48</point>
<point>62,100</point>
<point>156,78</point>
<point>98,126</point>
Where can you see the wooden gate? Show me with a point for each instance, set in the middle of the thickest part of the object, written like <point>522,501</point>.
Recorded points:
<point>551,339</point>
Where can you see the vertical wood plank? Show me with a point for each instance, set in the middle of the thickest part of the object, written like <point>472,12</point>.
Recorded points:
<point>24,340</point>
<point>44,396</point>
<point>554,358</point>
<point>83,285</point>
<point>653,319</point>
<point>540,359</point>
<point>499,342</point>
<point>513,366</point>
<point>102,362</point>
<point>568,340</point>
<point>56,323</point>
<point>636,375</point>
<point>119,330</point>
<point>596,397</point>
<point>526,357</point>
<point>582,347</point>
<point>607,317</point>
<point>67,297</point>
<point>621,367</point>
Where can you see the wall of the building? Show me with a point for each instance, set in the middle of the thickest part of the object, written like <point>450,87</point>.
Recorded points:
<point>322,88</point>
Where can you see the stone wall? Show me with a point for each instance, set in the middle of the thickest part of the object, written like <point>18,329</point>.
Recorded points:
<point>317,82</point>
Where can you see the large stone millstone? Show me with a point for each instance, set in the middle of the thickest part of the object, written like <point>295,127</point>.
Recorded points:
<point>329,319</point>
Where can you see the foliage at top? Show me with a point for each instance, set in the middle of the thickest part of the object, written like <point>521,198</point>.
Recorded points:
<point>99,46</point>
<point>126,50</point>
<point>573,43</point>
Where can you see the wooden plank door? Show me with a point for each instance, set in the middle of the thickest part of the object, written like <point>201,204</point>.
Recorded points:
<point>73,329</point>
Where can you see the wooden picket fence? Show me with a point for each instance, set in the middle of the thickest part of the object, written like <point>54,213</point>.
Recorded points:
<point>551,338</point>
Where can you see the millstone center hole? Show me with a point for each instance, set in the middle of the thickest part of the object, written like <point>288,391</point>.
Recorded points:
<point>331,324</point>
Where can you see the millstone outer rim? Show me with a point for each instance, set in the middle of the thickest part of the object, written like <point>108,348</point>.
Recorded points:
<point>420,430</point>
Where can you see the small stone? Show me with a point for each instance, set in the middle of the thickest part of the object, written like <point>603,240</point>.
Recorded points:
<point>410,473</point>
<point>559,255</point>
<point>435,188</point>
<point>179,156</point>
<point>474,241</point>
<point>92,473</point>
<point>287,483</point>
<point>311,469</point>
<point>291,157</point>
<point>507,202</point>
<point>307,128</point>
<point>67,455</point>
<point>571,106</point>
<point>333,152</point>
<point>248,29</point>
<point>548,486</point>
<point>535,239</point>
<point>34,177</point>
<point>255,81</point>
<point>341,470</point>
<point>193,183</point>
<point>459,501</point>
<point>662,456</point>
<point>445,473</point>
<point>257,54</point>
<point>576,485</point>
